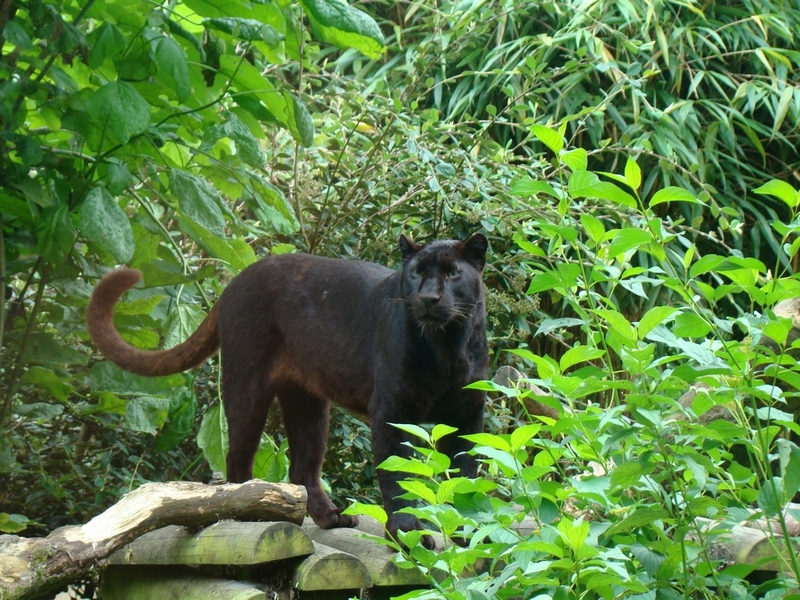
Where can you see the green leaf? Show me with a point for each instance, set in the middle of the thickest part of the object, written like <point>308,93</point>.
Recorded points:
<point>419,490</point>
<point>213,438</point>
<point>13,523</point>
<point>218,8</point>
<point>638,518</point>
<point>118,178</point>
<point>246,29</point>
<point>523,434</point>
<point>546,367</point>
<point>56,234</point>
<point>581,183</point>
<point>173,72</point>
<point>109,42</point>
<point>574,532</point>
<point>626,475</point>
<point>336,22</point>
<point>633,174</point>
<point>182,321</point>
<point>106,376</point>
<point>146,414</point>
<point>549,325</point>
<point>41,411</point>
<point>180,422</point>
<point>575,159</point>
<point>271,462</point>
<point>549,137</point>
<point>489,439</point>
<point>28,149</point>
<point>789,454</point>
<point>526,186</point>
<point>778,330</point>
<point>45,349</point>
<point>16,207</point>
<point>271,207</point>
<point>594,227</point>
<point>406,465</point>
<point>787,96</point>
<point>414,430</point>
<point>689,324</point>
<point>779,189</point>
<point>198,200</point>
<point>246,144</point>
<point>119,106</point>
<point>281,103</point>
<point>585,184</point>
<point>48,381</point>
<point>623,240</point>
<point>707,263</point>
<point>104,223</point>
<point>579,354</point>
<point>673,194</point>
<point>770,496</point>
<point>141,306</point>
<point>234,257</point>
<point>441,430</point>
<point>566,276</point>
<point>654,317</point>
<point>368,510</point>
<point>17,35</point>
<point>649,559</point>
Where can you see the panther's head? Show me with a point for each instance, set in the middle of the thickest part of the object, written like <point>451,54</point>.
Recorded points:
<point>441,281</point>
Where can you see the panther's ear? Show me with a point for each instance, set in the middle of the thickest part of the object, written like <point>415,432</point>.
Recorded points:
<point>407,247</point>
<point>475,249</point>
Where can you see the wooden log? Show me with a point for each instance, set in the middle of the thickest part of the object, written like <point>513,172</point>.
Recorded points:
<point>224,543</point>
<point>773,526</point>
<point>509,376</point>
<point>33,567</point>
<point>748,546</point>
<point>377,557</point>
<point>148,583</point>
<point>331,569</point>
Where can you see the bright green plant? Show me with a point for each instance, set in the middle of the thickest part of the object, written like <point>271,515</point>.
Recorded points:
<point>702,91</point>
<point>628,491</point>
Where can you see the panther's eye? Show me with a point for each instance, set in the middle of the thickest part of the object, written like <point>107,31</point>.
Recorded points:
<point>416,272</point>
<point>454,274</point>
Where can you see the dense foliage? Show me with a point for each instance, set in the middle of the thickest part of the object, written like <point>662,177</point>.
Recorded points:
<point>609,149</point>
<point>629,490</point>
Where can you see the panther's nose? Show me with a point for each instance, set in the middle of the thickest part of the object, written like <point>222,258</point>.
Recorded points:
<point>430,300</point>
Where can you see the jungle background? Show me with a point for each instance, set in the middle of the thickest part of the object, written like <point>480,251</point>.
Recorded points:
<point>634,164</point>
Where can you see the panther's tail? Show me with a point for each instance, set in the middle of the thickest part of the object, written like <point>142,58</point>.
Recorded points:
<point>100,322</point>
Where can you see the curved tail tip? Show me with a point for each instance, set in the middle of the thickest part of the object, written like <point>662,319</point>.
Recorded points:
<point>117,282</point>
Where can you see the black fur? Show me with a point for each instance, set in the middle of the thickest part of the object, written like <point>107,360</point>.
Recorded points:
<point>396,346</point>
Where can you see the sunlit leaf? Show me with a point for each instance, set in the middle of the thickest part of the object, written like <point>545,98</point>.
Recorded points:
<point>673,194</point>
<point>779,189</point>
<point>213,438</point>
<point>121,109</point>
<point>338,23</point>
<point>549,137</point>
<point>104,223</point>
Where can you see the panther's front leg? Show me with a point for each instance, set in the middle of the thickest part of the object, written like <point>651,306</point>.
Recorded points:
<point>388,441</point>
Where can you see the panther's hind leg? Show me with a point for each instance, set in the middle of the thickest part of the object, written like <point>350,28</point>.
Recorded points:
<point>305,417</point>
<point>247,398</point>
